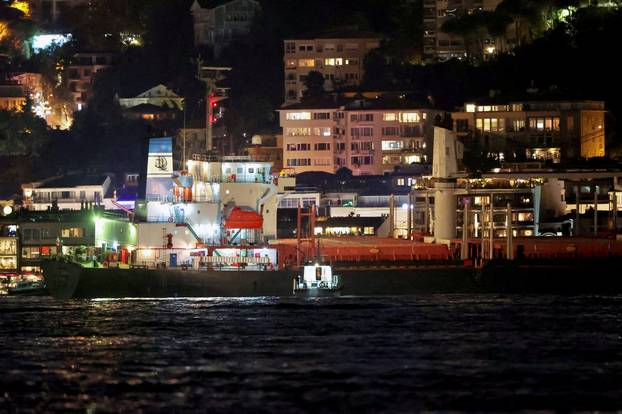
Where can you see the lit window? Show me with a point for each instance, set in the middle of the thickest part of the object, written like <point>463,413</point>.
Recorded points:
<point>470,107</point>
<point>296,132</point>
<point>392,145</point>
<point>307,63</point>
<point>389,117</point>
<point>72,232</point>
<point>324,132</point>
<point>297,116</point>
<point>409,117</point>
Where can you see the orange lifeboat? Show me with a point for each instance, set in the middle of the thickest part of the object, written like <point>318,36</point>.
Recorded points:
<point>241,219</point>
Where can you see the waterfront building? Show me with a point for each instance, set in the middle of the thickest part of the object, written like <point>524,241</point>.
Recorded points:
<point>28,238</point>
<point>81,72</point>
<point>367,136</point>
<point>218,24</point>
<point>337,56</point>
<point>556,131</point>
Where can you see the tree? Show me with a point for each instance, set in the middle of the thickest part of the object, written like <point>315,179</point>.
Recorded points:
<point>315,84</point>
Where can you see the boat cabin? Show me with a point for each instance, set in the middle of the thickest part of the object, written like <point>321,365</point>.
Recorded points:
<point>318,276</point>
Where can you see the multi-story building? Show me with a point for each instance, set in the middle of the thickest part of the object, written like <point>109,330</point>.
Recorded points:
<point>551,130</point>
<point>367,137</point>
<point>81,74</point>
<point>219,25</point>
<point>339,60</point>
<point>439,45</point>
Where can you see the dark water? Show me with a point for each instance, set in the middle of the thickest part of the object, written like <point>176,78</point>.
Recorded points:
<point>433,352</point>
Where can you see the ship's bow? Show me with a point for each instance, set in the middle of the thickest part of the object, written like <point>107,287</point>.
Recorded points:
<point>61,278</point>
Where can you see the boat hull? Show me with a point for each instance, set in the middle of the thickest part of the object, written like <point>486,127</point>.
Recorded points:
<point>69,280</point>
<point>66,280</point>
<point>28,292</point>
<point>317,293</point>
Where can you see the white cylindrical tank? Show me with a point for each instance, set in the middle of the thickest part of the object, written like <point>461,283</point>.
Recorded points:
<point>445,210</point>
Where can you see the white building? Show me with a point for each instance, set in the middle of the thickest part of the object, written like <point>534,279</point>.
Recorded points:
<point>71,192</point>
<point>159,95</point>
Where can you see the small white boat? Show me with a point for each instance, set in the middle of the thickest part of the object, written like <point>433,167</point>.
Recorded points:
<point>317,281</point>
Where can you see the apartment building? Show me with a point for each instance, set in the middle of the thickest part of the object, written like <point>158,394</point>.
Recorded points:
<point>218,26</point>
<point>81,74</point>
<point>339,60</point>
<point>441,46</point>
<point>555,131</point>
<point>367,137</point>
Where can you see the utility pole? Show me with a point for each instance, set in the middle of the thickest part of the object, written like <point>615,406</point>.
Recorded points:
<point>211,75</point>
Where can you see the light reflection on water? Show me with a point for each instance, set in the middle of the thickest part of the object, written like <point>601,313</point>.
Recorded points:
<point>436,352</point>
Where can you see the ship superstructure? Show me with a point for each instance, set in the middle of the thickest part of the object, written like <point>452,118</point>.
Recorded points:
<point>222,206</point>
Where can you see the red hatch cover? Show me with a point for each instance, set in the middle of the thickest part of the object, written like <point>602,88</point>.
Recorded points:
<point>240,219</point>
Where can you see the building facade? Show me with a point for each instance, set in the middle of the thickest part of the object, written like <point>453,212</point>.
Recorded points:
<point>69,193</point>
<point>367,140</point>
<point>339,60</point>
<point>218,26</point>
<point>81,74</point>
<point>28,239</point>
<point>555,131</point>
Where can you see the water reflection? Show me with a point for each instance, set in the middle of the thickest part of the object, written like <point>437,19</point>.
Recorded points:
<point>436,352</point>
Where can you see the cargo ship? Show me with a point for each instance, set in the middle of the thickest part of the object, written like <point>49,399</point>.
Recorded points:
<point>65,279</point>
<point>210,230</point>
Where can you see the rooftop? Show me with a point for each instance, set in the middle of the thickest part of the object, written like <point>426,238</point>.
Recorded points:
<point>345,32</point>
<point>74,181</point>
<point>359,101</point>
<point>12,91</point>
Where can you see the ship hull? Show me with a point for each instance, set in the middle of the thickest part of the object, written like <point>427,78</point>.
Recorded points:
<point>66,280</point>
